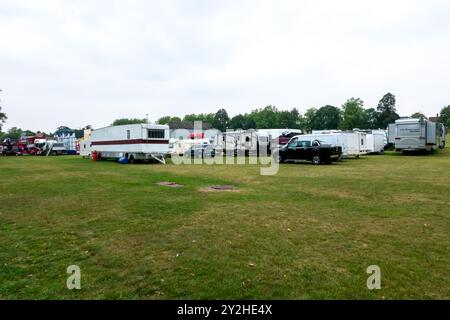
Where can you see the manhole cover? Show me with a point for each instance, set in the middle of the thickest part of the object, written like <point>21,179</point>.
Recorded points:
<point>170,184</point>
<point>224,187</point>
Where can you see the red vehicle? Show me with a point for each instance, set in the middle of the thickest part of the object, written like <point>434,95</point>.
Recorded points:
<point>287,136</point>
<point>196,135</point>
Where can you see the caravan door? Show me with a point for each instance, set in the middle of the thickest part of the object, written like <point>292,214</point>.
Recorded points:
<point>392,132</point>
<point>431,133</point>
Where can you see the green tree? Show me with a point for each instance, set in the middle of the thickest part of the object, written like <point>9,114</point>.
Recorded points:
<point>240,121</point>
<point>353,114</point>
<point>445,116</point>
<point>168,119</point>
<point>306,122</point>
<point>237,122</point>
<point>418,115</point>
<point>123,121</point>
<point>370,119</point>
<point>79,133</point>
<point>387,112</point>
<point>28,133</point>
<point>190,118</point>
<point>265,118</point>
<point>288,119</point>
<point>204,117</point>
<point>3,118</point>
<point>14,133</point>
<point>221,120</point>
<point>326,118</point>
<point>164,120</point>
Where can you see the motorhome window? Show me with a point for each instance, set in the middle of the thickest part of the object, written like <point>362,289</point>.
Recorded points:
<point>128,134</point>
<point>362,142</point>
<point>156,134</point>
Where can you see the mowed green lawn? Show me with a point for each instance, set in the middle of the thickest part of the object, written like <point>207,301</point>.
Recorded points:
<point>309,232</point>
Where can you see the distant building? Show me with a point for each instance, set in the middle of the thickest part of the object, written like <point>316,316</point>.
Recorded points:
<point>435,119</point>
<point>68,138</point>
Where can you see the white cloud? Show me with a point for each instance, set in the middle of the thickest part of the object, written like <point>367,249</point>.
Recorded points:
<point>89,62</point>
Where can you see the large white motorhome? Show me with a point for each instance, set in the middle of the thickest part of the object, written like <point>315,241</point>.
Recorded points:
<point>353,144</point>
<point>417,135</point>
<point>134,141</point>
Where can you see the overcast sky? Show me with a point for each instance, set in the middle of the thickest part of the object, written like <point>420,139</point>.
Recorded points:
<point>75,63</point>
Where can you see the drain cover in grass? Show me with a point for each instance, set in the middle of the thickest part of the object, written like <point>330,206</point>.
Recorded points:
<point>170,184</point>
<point>223,187</point>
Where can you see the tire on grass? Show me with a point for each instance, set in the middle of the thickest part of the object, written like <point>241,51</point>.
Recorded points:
<point>316,160</point>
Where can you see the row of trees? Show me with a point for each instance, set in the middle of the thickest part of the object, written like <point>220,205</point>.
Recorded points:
<point>352,114</point>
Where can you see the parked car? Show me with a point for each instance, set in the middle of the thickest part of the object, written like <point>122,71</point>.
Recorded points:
<point>11,151</point>
<point>201,151</point>
<point>10,148</point>
<point>299,148</point>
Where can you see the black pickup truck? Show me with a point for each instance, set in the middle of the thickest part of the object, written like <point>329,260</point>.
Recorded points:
<point>304,149</point>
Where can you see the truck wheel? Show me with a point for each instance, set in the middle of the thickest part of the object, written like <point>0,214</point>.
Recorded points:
<point>316,160</point>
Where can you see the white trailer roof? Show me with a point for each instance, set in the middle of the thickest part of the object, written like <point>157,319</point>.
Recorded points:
<point>142,125</point>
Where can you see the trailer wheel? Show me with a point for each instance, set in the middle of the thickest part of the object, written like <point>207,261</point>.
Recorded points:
<point>316,160</point>
<point>131,159</point>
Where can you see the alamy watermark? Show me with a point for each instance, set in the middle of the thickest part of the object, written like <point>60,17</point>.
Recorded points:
<point>233,147</point>
<point>374,280</point>
<point>74,280</point>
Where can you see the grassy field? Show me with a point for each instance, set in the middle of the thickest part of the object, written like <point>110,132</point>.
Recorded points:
<point>309,232</point>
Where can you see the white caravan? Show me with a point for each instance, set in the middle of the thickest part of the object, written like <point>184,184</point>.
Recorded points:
<point>85,148</point>
<point>134,141</point>
<point>253,141</point>
<point>417,135</point>
<point>85,143</point>
<point>248,142</point>
<point>180,146</point>
<point>376,142</point>
<point>353,144</point>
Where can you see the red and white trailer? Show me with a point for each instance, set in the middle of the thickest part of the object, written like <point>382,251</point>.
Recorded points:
<point>134,142</point>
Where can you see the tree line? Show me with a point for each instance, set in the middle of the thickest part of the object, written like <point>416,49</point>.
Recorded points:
<point>352,114</point>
